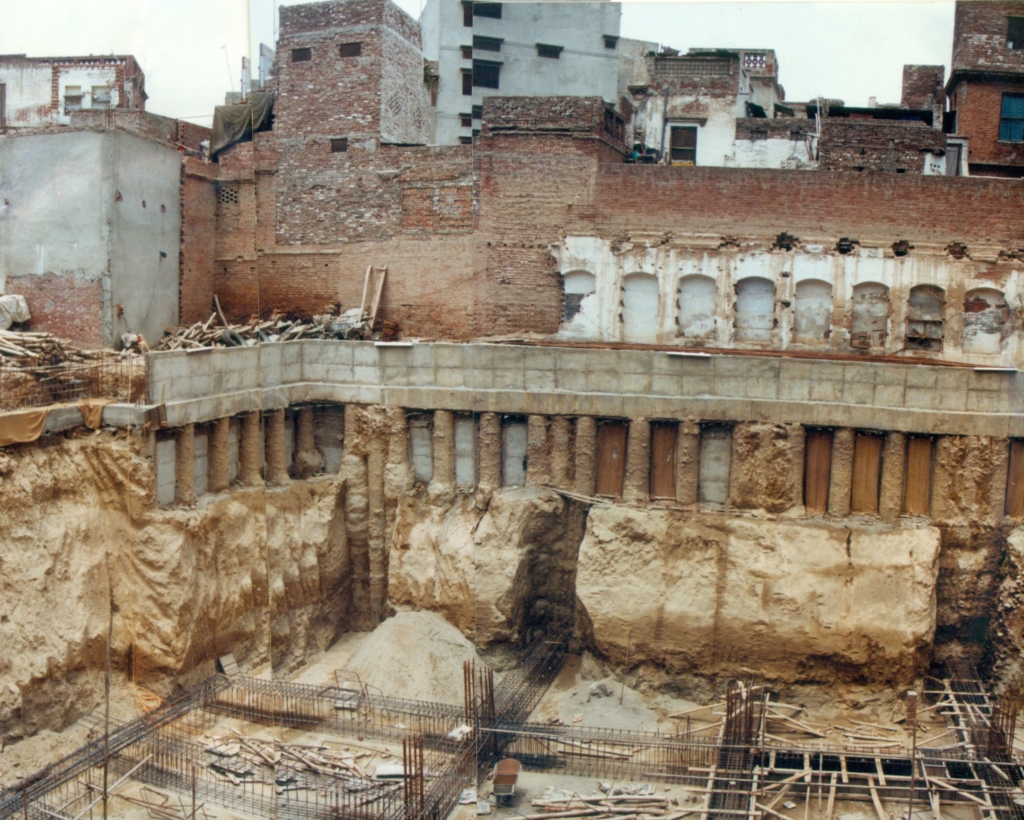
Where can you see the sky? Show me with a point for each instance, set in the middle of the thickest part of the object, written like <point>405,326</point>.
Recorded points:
<point>191,50</point>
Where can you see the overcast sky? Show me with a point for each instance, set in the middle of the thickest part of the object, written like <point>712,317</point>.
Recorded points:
<point>191,50</point>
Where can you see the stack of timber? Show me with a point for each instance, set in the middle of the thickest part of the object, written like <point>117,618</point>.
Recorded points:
<point>38,349</point>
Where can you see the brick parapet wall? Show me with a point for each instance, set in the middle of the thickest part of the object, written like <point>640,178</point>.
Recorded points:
<point>779,128</point>
<point>876,145</point>
<point>198,240</point>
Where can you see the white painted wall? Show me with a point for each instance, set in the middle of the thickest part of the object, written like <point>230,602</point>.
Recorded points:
<point>790,154</point>
<point>663,320</point>
<point>713,465</point>
<point>27,93</point>
<point>640,308</point>
<point>87,78</point>
<point>465,451</point>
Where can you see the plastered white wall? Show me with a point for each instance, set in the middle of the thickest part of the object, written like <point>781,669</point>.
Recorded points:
<point>27,93</point>
<point>671,262</point>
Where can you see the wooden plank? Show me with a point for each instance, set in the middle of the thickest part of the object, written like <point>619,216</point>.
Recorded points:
<point>842,766</point>
<point>382,274</point>
<point>874,799</point>
<point>611,458</point>
<point>917,492</point>
<point>867,469</point>
<point>1015,480</point>
<point>831,796</point>
<point>663,460</point>
<point>817,470</point>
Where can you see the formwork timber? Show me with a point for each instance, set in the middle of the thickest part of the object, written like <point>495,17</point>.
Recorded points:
<point>736,766</point>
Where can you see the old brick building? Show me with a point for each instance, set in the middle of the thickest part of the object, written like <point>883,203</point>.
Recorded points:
<point>986,85</point>
<point>47,90</point>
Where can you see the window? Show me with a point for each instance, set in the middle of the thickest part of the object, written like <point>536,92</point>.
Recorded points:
<point>72,98</point>
<point>610,42</point>
<point>350,49</point>
<point>466,121</point>
<point>467,14</point>
<point>492,10</point>
<point>985,320</point>
<point>1015,32</point>
<point>812,310</point>
<point>339,145</point>
<point>466,140</point>
<point>478,112</point>
<point>1011,121</point>
<point>640,308</point>
<point>487,43</point>
<point>467,83</point>
<point>755,309</point>
<point>870,315</point>
<point>552,52</point>
<point>696,317</point>
<point>684,146</point>
<point>302,55</point>
<point>101,96</point>
<point>577,285</point>
<point>485,74</point>
<point>467,52</point>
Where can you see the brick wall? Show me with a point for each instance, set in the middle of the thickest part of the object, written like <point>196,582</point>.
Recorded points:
<point>978,106</point>
<point>876,145</point>
<point>780,128</point>
<point>923,86</point>
<point>63,305</point>
<point>198,232</point>
<point>979,36</point>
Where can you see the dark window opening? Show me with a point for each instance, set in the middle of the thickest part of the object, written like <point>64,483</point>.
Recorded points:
<point>478,112</point>
<point>466,121</point>
<point>467,14</point>
<point>487,43</point>
<point>467,83</point>
<point>339,145</point>
<point>485,74</point>
<point>1015,32</point>
<point>684,146</point>
<point>466,140</point>
<point>476,132</point>
<point>552,52</point>
<point>924,318</point>
<point>611,42</point>
<point>1011,120</point>
<point>467,52</point>
<point>302,55</point>
<point>350,49</point>
<point>492,10</point>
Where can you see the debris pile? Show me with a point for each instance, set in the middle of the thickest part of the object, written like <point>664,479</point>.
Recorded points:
<point>235,757</point>
<point>39,349</point>
<point>617,803</point>
<point>275,329</point>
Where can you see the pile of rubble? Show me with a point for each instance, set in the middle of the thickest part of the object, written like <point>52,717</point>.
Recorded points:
<point>616,803</point>
<point>349,325</point>
<point>37,349</point>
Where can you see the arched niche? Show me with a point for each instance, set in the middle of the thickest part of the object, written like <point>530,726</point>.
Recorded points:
<point>985,320</point>
<point>696,318</point>
<point>812,310</point>
<point>755,309</point>
<point>640,308</point>
<point>577,285</point>
<point>870,319</point>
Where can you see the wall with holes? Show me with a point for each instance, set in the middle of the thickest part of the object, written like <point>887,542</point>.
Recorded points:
<point>846,298</point>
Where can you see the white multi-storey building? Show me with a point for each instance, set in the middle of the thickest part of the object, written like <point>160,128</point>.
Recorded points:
<point>520,49</point>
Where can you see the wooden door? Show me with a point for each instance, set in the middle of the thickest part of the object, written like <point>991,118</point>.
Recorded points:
<point>663,460</point>
<point>817,470</point>
<point>611,458</point>
<point>1015,480</point>
<point>917,490</point>
<point>867,470</point>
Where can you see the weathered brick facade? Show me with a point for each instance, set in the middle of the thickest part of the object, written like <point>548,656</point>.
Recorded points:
<point>985,68</point>
<point>876,145</point>
<point>198,235</point>
<point>66,306</point>
<point>923,86</point>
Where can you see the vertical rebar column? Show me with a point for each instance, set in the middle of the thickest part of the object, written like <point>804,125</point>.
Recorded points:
<point>220,444</point>
<point>185,491</point>
<point>277,459</point>
<point>249,454</point>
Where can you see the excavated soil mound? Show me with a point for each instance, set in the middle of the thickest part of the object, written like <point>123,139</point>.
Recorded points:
<point>415,655</point>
